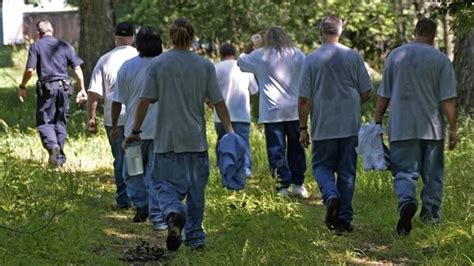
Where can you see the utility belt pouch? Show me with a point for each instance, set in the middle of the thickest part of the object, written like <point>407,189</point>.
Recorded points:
<point>67,84</point>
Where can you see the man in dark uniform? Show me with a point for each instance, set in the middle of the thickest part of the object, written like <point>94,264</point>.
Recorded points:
<point>51,57</point>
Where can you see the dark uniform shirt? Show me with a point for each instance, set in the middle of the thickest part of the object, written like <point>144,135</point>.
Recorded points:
<point>51,57</point>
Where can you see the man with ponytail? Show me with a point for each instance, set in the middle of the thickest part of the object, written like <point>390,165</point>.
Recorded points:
<point>180,81</point>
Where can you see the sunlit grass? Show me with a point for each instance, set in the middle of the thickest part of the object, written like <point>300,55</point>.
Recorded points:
<point>73,208</point>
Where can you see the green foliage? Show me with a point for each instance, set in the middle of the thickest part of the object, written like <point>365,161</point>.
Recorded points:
<point>66,216</point>
<point>462,12</point>
<point>370,25</point>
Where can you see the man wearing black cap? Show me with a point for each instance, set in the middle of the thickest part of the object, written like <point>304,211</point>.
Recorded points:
<point>101,86</point>
<point>50,58</point>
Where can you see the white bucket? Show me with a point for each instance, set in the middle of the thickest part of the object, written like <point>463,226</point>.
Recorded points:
<point>133,158</point>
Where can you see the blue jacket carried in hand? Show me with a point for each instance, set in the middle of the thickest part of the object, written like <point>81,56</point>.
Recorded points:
<point>230,160</point>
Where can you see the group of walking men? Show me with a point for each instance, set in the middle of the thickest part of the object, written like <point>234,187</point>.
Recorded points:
<point>158,99</point>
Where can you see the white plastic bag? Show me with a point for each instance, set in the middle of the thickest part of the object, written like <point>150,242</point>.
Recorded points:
<point>371,147</point>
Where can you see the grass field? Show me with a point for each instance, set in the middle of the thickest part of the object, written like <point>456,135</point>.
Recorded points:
<point>66,216</point>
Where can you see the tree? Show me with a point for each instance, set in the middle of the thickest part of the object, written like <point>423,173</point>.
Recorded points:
<point>96,37</point>
<point>464,68</point>
<point>462,13</point>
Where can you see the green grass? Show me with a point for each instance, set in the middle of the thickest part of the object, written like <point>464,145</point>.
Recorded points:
<point>66,216</point>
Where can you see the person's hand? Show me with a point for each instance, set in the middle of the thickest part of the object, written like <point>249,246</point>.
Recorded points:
<point>453,139</point>
<point>129,139</point>
<point>81,97</point>
<point>304,138</point>
<point>114,133</point>
<point>22,94</point>
<point>92,126</point>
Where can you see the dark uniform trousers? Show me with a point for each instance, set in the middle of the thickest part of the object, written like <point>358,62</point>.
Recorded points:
<point>52,113</point>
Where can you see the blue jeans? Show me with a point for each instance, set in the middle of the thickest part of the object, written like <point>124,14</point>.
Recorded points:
<point>121,197</point>
<point>143,189</point>
<point>180,176</point>
<point>243,130</point>
<point>289,167</point>
<point>331,157</point>
<point>52,113</point>
<point>412,158</point>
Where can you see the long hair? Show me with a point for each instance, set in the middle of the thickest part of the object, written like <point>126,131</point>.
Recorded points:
<point>182,32</point>
<point>276,38</point>
<point>149,42</point>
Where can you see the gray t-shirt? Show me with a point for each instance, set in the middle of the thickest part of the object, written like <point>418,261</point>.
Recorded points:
<point>277,74</point>
<point>180,81</point>
<point>129,85</point>
<point>333,77</point>
<point>416,78</point>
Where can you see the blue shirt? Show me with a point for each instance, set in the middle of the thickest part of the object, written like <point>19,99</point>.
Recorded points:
<point>51,57</point>
<point>333,78</point>
<point>416,78</point>
<point>180,81</point>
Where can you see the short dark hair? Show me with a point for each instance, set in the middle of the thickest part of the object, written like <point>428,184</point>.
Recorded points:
<point>227,49</point>
<point>425,27</point>
<point>44,26</point>
<point>182,32</point>
<point>331,25</point>
<point>149,42</point>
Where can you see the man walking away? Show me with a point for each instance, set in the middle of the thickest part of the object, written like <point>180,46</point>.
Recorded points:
<point>334,83</point>
<point>51,58</point>
<point>131,79</point>
<point>420,86</point>
<point>101,86</point>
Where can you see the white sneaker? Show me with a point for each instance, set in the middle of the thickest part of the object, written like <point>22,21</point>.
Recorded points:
<point>53,157</point>
<point>283,192</point>
<point>299,191</point>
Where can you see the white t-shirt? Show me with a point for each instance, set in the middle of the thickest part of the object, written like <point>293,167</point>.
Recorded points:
<point>277,74</point>
<point>236,87</point>
<point>130,83</point>
<point>104,75</point>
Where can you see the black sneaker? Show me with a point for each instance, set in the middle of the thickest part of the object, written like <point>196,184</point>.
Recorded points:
<point>331,212</point>
<point>175,223</point>
<point>140,215</point>
<point>343,227</point>
<point>407,212</point>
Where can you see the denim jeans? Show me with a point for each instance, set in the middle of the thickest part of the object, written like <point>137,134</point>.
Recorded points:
<point>331,158</point>
<point>143,189</point>
<point>243,130</point>
<point>121,197</point>
<point>412,158</point>
<point>183,176</point>
<point>52,113</point>
<point>281,138</point>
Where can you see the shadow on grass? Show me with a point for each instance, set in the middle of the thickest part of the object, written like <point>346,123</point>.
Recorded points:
<point>21,116</point>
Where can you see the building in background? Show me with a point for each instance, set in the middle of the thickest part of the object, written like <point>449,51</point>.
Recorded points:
<point>18,20</point>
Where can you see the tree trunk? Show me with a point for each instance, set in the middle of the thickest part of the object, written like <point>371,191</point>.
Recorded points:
<point>464,68</point>
<point>97,28</point>
<point>448,36</point>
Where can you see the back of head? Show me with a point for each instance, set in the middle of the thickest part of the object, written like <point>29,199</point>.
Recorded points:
<point>44,27</point>
<point>330,25</point>
<point>182,33</point>
<point>425,27</point>
<point>124,29</point>
<point>227,50</point>
<point>149,42</point>
<point>276,38</point>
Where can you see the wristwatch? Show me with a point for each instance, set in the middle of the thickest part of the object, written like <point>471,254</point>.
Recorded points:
<point>304,128</point>
<point>136,132</point>
<point>22,87</point>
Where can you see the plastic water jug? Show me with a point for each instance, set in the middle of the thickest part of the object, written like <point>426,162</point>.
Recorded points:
<point>133,158</point>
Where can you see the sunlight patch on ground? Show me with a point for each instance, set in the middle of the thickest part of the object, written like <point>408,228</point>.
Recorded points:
<point>113,233</point>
